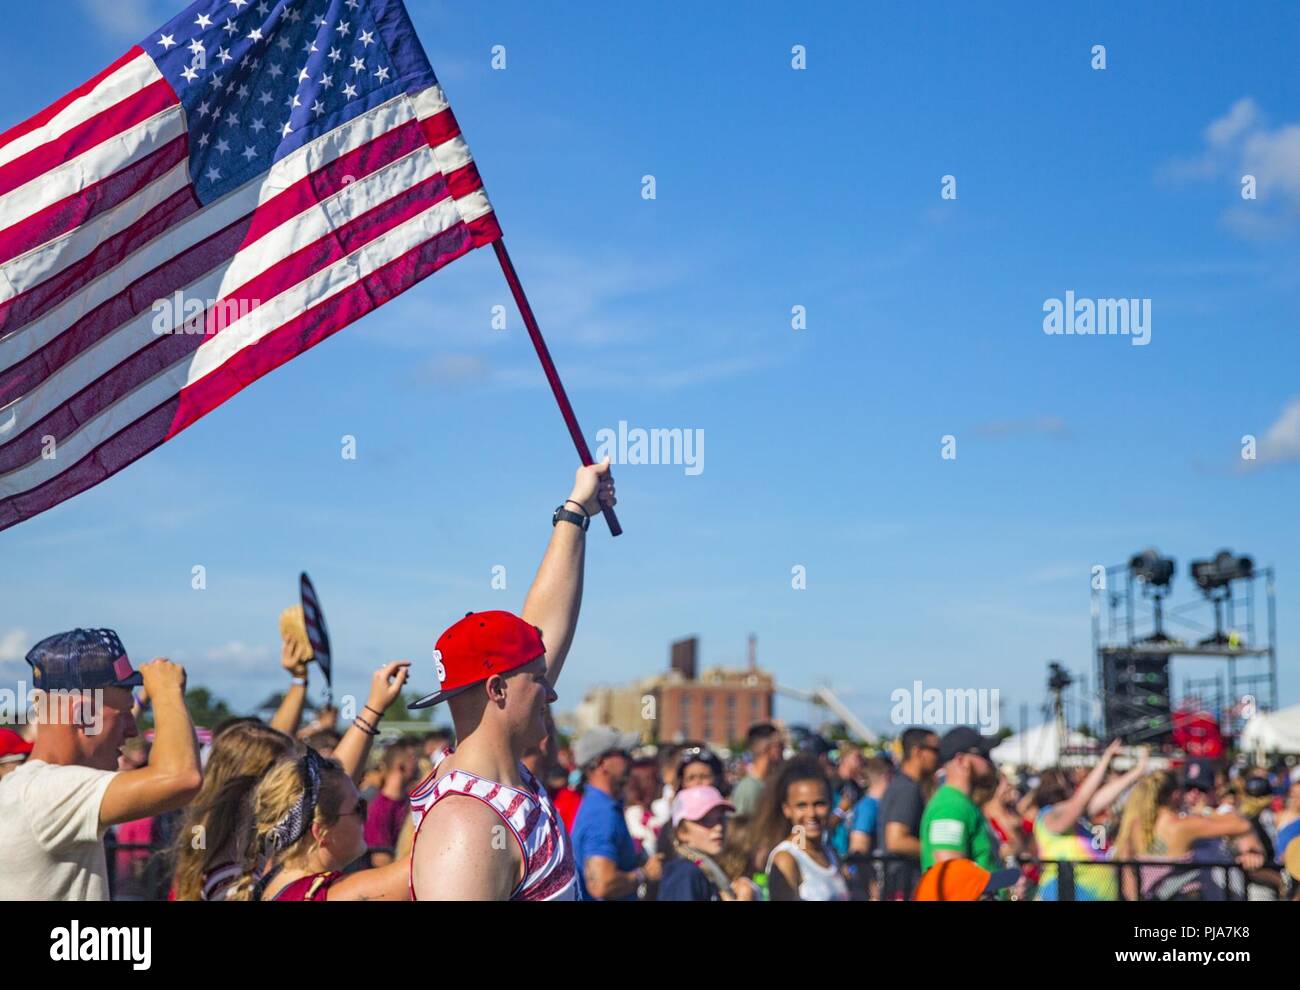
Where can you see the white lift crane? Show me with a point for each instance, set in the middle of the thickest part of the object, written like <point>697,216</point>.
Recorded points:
<point>825,697</point>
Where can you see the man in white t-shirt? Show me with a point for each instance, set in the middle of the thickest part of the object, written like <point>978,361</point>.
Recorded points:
<point>56,807</point>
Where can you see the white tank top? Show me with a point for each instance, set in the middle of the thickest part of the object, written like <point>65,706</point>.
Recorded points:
<point>549,874</point>
<point>816,882</point>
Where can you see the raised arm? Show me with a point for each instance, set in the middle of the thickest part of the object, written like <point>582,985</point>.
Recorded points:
<point>1063,815</point>
<point>556,594</point>
<point>354,747</point>
<point>1109,792</point>
<point>288,716</point>
<point>173,774</point>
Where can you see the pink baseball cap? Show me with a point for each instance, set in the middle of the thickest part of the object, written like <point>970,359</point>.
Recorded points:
<point>693,803</point>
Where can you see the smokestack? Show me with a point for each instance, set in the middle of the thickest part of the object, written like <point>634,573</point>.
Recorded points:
<point>753,653</point>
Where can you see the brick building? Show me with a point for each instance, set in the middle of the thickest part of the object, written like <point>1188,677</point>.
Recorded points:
<point>718,706</point>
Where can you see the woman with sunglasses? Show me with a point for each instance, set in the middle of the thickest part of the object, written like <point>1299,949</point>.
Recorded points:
<point>697,766</point>
<point>308,827</point>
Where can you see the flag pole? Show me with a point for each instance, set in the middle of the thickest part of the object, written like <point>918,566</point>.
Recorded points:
<point>548,366</point>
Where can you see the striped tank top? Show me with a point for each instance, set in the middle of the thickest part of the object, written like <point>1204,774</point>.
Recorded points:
<point>549,873</point>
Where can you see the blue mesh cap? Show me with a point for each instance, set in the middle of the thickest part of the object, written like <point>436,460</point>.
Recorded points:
<point>80,660</point>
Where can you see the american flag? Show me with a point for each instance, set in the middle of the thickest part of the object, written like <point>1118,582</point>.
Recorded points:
<point>248,180</point>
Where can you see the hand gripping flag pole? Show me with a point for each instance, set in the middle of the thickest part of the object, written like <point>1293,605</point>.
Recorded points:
<point>548,366</point>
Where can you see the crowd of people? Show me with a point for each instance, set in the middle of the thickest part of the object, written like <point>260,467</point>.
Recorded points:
<point>502,806</point>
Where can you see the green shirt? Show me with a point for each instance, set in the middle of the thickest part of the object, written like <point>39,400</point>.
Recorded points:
<point>952,821</point>
<point>746,795</point>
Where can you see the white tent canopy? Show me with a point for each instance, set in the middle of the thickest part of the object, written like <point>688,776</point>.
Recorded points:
<point>1038,748</point>
<point>1273,732</point>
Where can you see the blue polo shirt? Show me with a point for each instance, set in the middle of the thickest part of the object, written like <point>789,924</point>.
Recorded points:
<point>601,830</point>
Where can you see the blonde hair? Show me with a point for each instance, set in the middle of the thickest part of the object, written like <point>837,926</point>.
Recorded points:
<point>1137,826</point>
<point>240,756</point>
<point>279,793</point>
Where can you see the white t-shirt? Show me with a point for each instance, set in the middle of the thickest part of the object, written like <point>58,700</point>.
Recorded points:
<point>51,843</point>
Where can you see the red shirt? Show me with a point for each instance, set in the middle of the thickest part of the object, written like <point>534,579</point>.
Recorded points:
<point>384,821</point>
<point>313,888</point>
<point>566,801</point>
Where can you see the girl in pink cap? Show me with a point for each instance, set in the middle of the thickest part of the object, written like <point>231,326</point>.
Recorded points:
<point>699,832</point>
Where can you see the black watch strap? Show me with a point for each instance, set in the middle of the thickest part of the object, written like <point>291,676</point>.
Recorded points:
<point>564,515</point>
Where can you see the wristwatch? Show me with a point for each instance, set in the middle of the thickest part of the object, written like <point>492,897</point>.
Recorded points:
<point>577,518</point>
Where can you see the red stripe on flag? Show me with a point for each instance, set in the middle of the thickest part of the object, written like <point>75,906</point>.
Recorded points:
<point>57,107</point>
<point>464,180</point>
<point>313,326</point>
<point>441,127</point>
<point>136,109</point>
<point>107,459</point>
<point>484,230</point>
<point>82,207</point>
<point>326,182</point>
<point>118,383</point>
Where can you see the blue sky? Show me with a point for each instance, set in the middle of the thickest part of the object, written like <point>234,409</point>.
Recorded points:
<point>775,188</point>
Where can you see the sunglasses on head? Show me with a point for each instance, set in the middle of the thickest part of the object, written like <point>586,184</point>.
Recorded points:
<point>696,754</point>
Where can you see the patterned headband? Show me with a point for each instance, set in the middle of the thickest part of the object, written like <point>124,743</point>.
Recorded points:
<point>294,825</point>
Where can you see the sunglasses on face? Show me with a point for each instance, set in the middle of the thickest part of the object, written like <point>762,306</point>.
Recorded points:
<point>713,819</point>
<point>359,810</point>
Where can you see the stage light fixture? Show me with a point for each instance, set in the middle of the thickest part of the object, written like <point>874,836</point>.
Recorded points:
<point>1221,570</point>
<point>1153,569</point>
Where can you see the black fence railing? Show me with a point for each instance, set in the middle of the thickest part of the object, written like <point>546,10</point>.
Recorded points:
<point>893,877</point>
<point>141,872</point>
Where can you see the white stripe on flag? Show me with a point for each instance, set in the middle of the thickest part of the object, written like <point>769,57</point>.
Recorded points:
<point>96,164</point>
<point>126,81</point>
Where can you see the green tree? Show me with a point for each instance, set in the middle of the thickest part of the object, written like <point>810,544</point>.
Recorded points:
<point>417,714</point>
<point>206,709</point>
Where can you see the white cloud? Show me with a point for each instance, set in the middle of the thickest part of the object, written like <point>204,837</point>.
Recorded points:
<point>1241,143</point>
<point>1282,441</point>
<point>1240,118</point>
<point>127,18</point>
<point>13,645</point>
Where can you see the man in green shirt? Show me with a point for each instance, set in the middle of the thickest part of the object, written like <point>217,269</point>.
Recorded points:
<point>766,747</point>
<point>953,827</point>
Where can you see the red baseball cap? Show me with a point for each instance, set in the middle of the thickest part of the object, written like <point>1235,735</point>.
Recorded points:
<point>13,747</point>
<point>478,646</point>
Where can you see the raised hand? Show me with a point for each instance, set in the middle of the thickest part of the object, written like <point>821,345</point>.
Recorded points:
<point>386,685</point>
<point>593,487</point>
